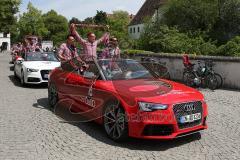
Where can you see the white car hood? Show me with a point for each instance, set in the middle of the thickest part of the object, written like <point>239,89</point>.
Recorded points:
<point>41,64</point>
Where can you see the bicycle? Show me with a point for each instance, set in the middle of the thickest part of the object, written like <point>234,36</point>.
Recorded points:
<point>203,76</point>
<point>156,66</point>
<point>210,71</point>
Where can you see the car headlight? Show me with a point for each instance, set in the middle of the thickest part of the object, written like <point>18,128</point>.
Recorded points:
<point>148,107</point>
<point>32,70</point>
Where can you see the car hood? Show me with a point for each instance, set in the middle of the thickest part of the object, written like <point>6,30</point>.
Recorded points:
<point>154,91</point>
<point>41,64</point>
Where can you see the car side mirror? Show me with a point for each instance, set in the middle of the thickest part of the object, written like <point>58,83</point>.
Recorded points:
<point>19,60</point>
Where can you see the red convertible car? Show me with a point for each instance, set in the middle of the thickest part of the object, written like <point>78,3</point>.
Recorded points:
<point>129,100</point>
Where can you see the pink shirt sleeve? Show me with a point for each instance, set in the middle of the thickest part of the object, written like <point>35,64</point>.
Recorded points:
<point>78,37</point>
<point>118,51</point>
<point>104,53</point>
<point>61,50</point>
<point>104,38</point>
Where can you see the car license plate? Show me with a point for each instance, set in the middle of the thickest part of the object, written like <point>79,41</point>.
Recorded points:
<point>45,76</point>
<point>190,118</point>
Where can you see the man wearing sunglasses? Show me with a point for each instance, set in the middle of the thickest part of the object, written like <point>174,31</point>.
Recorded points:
<point>112,50</point>
<point>68,56</point>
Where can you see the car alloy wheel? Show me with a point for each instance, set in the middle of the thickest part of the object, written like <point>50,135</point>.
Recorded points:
<point>115,123</point>
<point>52,95</point>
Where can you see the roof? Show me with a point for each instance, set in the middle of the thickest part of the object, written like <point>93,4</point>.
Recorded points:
<point>147,10</point>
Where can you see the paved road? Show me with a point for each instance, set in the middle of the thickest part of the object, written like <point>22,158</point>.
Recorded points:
<point>29,130</point>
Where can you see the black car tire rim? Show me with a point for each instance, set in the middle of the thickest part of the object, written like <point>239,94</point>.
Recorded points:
<point>52,95</point>
<point>115,122</point>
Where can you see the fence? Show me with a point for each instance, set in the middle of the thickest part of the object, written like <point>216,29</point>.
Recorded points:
<point>227,67</point>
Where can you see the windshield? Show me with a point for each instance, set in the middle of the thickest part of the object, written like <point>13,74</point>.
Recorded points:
<point>123,69</point>
<point>41,57</point>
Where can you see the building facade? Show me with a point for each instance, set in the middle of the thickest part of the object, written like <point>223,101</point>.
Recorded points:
<point>5,41</point>
<point>151,9</point>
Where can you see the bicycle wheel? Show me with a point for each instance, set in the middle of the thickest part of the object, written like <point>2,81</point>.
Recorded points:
<point>219,80</point>
<point>212,82</point>
<point>188,78</point>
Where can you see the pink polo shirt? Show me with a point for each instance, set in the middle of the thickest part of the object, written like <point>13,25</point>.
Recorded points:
<point>90,49</point>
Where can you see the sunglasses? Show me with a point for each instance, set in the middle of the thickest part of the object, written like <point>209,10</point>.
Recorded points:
<point>72,39</point>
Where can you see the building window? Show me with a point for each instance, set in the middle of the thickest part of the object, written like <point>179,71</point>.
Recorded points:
<point>5,35</point>
<point>138,29</point>
<point>133,29</point>
<point>130,30</point>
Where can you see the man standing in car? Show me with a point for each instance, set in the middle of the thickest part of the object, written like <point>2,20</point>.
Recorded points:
<point>89,45</point>
<point>68,55</point>
<point>112,50</point>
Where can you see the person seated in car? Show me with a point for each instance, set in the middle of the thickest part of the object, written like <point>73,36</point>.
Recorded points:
<point>112,50</point>
<point>68,56</point>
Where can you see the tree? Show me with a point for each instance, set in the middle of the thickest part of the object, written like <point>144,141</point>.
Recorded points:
<point>74,20</point>
<point>118,23</point>
<point>8,8</point>
<point>89,20</point>
<point>100,18</point>
<point>57,26</point>
<point>191,14</point>
<point>31,23</point>
<point>228,23</point>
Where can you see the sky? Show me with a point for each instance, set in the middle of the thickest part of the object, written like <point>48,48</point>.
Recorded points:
<point>82,9</point>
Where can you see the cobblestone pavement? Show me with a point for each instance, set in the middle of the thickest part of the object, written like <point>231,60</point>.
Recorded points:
<point>29,130</point>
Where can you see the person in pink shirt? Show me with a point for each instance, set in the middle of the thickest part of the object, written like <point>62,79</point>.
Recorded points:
<point>68,56</point>
<point>89,45</point>
<point>112,50</point>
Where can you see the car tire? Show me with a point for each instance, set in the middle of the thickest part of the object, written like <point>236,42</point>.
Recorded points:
<point>115,122</point>
<point>22,79</point>
<point>15,74</point>
<point>52,95</point>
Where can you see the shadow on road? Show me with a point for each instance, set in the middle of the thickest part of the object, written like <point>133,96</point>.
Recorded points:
<point>17,83</point>
<point>97,132</point>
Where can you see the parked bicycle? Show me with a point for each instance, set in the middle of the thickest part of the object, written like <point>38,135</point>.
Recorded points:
<point>203,76</point>
<point>156,66</point>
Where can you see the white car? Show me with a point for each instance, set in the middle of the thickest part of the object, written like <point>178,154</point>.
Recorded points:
<point>34,68</point>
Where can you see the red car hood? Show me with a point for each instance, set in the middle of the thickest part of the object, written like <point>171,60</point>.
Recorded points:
<point>155,91</point>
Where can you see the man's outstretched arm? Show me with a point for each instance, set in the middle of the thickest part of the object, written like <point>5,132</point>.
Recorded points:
<point>76,35</point>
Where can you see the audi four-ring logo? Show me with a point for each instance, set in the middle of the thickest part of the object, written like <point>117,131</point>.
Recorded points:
<point>189,107</point>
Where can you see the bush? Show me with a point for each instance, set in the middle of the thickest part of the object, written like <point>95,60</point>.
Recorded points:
<point>161,38</point>
<point>231,48</point>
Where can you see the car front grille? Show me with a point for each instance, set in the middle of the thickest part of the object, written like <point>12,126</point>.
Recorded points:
<point>181,110</point>
<point>45,72</point>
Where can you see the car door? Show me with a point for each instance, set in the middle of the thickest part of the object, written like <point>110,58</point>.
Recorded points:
<point>96,95</point>
<point>74,88</point>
